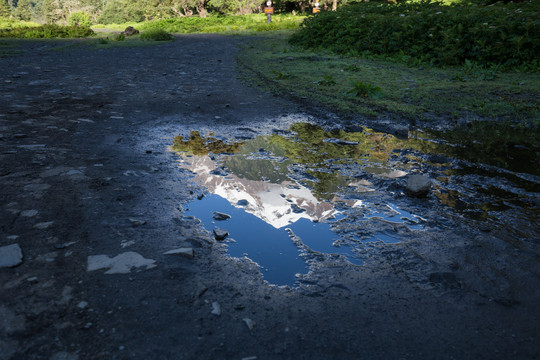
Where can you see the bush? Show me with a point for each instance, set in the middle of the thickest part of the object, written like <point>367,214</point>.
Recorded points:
<point>430,32</point>
<point>79,19</point>
<point>156,35</point>
<point>47,32</point>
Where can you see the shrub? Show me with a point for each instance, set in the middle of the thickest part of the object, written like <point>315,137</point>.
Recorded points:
<point>156,35</point>
<point>429,32</point>
<point>79,19</point>
<point>47,32</point>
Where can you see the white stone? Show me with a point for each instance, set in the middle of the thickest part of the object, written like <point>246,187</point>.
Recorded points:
<point>187,252</point>
<point>216,308</point>
<point>29,213</point>
<point>120,264</point>
<point>10,255</point>
<point>43,225</point>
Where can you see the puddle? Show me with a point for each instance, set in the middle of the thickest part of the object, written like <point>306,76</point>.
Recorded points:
<point>300,195</point>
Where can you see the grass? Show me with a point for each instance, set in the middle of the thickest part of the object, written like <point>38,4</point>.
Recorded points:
<point>376,87</point>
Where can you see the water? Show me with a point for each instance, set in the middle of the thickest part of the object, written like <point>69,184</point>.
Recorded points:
<point>296,196</point>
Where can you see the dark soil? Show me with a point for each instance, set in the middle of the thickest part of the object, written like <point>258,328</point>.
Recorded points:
<point>83,141</point>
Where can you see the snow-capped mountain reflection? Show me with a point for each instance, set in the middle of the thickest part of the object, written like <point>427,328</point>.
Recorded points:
<point>276,204</point>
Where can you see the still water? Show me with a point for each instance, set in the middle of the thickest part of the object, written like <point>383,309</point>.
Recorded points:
<point>306,193</point>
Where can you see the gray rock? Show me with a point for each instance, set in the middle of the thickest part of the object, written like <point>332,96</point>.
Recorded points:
<point>136,222</point>
<point>242,202</point>
<point>220,216</point>
<point>220,234</point>
<point>249,323</point>
<point>10,255</point>
<point>418,185</point>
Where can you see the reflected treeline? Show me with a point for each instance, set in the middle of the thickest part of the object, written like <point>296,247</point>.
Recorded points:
<point>197,145</point>
<point>309,152</point>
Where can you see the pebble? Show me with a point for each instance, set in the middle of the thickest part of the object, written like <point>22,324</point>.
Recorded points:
<point>44,225</point>
<point>242,202</point>
<point>249,323</point>
<point>10,255</point>
<point>216,308</point>
<point>82,304</point>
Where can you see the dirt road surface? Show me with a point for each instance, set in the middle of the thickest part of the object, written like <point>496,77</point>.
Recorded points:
<point>93,198</point>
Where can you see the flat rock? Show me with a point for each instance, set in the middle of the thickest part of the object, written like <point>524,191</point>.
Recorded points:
<point>418,185</point>
<point>220,216</point>
<point>120,264</point>
<point>220,234</point>
<point>10,255</point>
<point>187,252</point>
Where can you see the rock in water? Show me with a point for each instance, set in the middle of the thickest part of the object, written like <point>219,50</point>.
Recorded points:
<point>221,216</point>
<point>10,255</point>
<point>220,234</point>
<point>418,185</point>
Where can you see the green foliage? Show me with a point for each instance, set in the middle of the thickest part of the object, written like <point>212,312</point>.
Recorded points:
<point>23,11</point>
<point>5,10</point>
<point>233,23</point>
<point>47,32</point>
<point>120,37</point>
<point>279,75</point>
<point>156,35</point>
<point>328,80</point>
<point>472,71</point>
<point>430,32</point>
<point>361,89</point>
<point>79,19</point>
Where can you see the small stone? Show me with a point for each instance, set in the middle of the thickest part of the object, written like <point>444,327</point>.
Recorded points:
<point>242,202</point>
<point>88,325</point>
<point>20,136</point>
<point>187,252</point>
<point>136,222</point>
<point>10,255</point>
<point>200,197</point>
<point>220,216</point>
<point>82,304</point>
<point>220,234</point>
<point>418,185</point>
<point>297,209</point>
<point>216,308</point>
<point>249,323</point>
<point>44,225</point>
<point>29,213</point>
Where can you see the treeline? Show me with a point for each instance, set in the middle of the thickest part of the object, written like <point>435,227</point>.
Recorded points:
<point>120,11</point>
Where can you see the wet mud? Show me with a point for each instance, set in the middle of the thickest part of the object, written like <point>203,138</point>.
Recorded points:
<point>114,162</point>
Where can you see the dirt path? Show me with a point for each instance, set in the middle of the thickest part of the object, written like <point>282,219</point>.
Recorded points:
<point>85,172</point>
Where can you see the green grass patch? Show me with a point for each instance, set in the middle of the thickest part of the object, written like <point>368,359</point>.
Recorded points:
<point>156,35</point>
<point>504,35</point>
<point>381,89</point>
<point>46,32</point>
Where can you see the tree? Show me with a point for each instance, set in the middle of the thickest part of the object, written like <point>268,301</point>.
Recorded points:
<point>53,11</point>
<point>23,11</point>
<point>5,10</point>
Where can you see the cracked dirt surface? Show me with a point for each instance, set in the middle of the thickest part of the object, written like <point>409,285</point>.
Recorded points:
<point>85,171</point>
